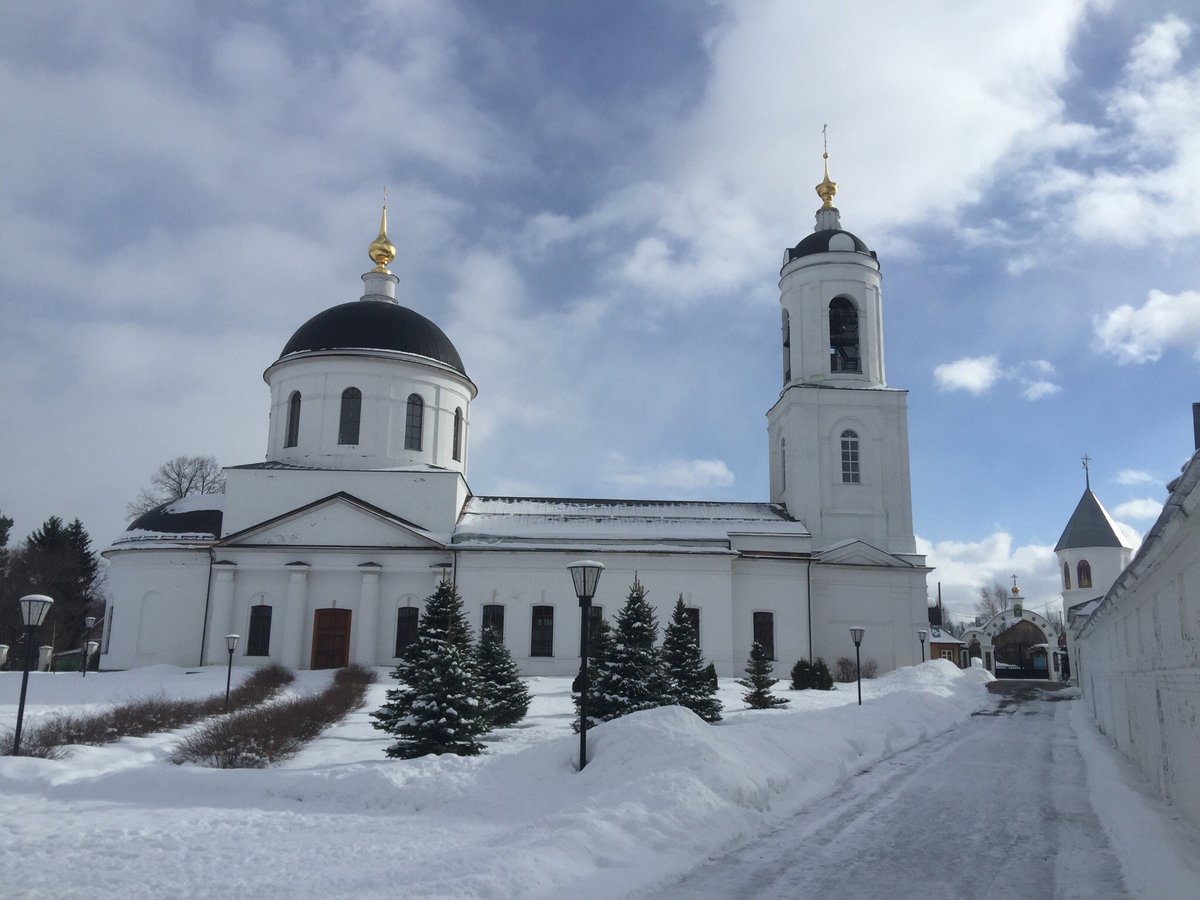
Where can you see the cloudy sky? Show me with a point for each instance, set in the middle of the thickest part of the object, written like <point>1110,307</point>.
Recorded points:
<point>593,199</point>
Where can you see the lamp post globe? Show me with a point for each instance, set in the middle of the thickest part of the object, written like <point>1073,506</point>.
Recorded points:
<point>856,635</point>
<point>33,612</point>
<point>922,634</point>
<point>231,642</point>
<point>88,623</point>
<point>585,575</point>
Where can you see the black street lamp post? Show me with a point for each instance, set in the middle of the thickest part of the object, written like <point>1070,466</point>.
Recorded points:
<point>33,612</point>
<point>85,649</point>
<point>856,635</point>
<point>586,575</point>
<point>922,634</point>
<point>231,643</point>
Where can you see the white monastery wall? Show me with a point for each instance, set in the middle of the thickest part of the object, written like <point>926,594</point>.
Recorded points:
<point>1138,658</point>
<point>160,625</point>
<point>890,607</point>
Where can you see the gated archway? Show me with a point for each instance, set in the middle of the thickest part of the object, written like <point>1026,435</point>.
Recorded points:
<point>1016,643</point>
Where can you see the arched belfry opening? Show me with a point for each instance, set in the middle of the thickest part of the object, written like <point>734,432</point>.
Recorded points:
<point>787,347</point>
<point>844,354</point>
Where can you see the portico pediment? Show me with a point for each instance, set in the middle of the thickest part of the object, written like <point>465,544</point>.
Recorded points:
<point>858,553</point>
<point>339,520</point>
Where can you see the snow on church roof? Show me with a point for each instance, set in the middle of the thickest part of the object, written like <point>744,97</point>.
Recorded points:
<point>194,518</point>
<point>671,523</point>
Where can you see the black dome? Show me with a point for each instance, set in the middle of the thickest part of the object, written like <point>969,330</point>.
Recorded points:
<point>374,325</point>
<point>818,242</point>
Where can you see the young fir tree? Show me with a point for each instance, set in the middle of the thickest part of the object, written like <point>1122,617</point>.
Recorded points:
<point>436,708</point>
<point>758,681</point>
<point>802,675</point>
<point>505,696</point>
<point>632,677</point>
<point>600,650</point>
<point>687,676</point>
<point>822,680</point>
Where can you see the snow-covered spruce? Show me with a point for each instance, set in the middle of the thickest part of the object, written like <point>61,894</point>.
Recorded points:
<point>687,676</point>
<point>601,707</point>
<point>632,678</point>
<point>758,681</point>
<point>807,675</point>
<point>505,696</point>
<point>436,708</point>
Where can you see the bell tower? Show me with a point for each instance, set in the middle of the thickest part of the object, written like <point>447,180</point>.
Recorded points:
<point>838,434</point>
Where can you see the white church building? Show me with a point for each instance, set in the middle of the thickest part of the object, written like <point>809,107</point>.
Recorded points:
<point>323,553</point>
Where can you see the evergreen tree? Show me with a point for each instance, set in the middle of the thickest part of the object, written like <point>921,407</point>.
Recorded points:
<point>802,675</point>
<point>436,708</point>
<point>710,672</point>
<point>822,680</point>
<point>600,651</point>
<point>687,677</point>
<point>632,677</point>
<point>758,681</point>
<point>505,696</point>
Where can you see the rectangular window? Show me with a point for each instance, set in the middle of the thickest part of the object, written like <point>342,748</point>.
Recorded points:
<point>542,634</point>
<point>259,641</point>
<point>406,628</point>
<point>493,618</point>
<point>850,470</point>
<point>693,616</point>
<point>595,614</point>
<point>948,654</point>
<point>764,632</point>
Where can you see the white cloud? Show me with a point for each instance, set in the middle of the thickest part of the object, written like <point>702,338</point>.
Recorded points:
<point>666,478</point>
<point>963,567</point>
<point>1035,390</point>
<point>1143,334</point>
<point>1146,508</point>
<point>1134,477</point>
<point>974,374</point>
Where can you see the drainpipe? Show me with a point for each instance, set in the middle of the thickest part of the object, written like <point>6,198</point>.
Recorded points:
<point>808,595</point>
<point>207,601</point>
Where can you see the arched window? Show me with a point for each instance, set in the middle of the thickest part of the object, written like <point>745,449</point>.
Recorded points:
<point>787,347</point>
<point>413,421</point>
<point>764,632</point>
<point>493,618</point>
<point>406,628</point>
<point>1066,576</point>
<point>541,641</point>
<point>851,473</point>
<point>843,336</point>
<point>1084,571</point>
<point>259,641</point>
<point>458,429</point>
<point>351,414</point>
<point>293,420</point>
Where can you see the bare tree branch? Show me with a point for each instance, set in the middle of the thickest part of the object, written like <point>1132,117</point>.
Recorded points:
<point>180,477</point>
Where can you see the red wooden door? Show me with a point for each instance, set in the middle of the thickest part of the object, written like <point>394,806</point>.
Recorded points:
<point>331,638</point>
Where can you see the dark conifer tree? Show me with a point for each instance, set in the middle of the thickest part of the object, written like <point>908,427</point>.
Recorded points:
<point>601,708</point>
<point>632,677</point>
<point>436,708</point>
<point>710,672</point>
<point>802,675</point>
<point>505,696</point>
<point>758,681</point>
<point>687,677</point>
<point>822,680</point>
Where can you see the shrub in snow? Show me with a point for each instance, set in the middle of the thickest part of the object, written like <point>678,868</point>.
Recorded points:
<point>601,708</point>
<point>802,675</point>
<point>710,672</point>
<point>263,735</point>
<point>687,677</point>
<point>436,708</point>
<point>505,696</point>
<point>870,668</point>
<point>821,679</point>
<point>147,715</point>
<point>632,677</point>
<point>758,681</point>
<point>846,672</point>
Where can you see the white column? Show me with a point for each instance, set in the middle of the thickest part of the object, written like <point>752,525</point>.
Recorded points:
<point>295,616</point>
<point>363,624</point>
<point>220,612</point>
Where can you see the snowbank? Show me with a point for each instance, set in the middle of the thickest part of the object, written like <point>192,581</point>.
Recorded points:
<point>662,791</point>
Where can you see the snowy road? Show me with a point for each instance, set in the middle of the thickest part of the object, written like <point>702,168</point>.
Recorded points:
<point>996,808</point>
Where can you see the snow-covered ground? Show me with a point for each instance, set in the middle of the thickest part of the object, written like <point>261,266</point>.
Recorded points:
<point>662,792</point>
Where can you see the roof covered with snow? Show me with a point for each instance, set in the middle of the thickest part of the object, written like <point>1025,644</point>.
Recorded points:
<point>671,523</point>
<point>194,518</point>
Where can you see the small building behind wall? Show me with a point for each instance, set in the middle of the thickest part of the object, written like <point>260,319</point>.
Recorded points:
<point>1137,653</point>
